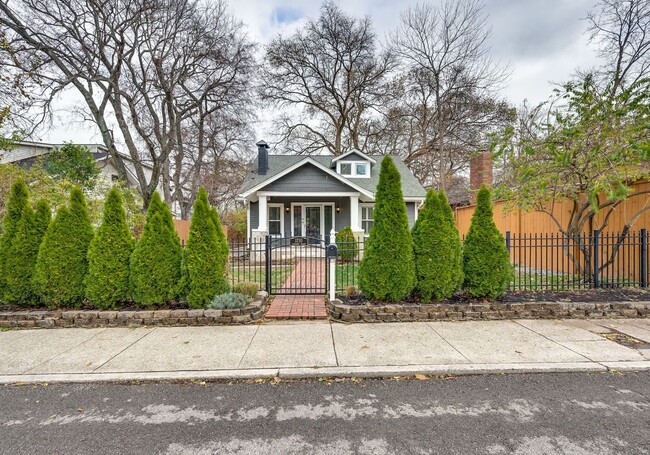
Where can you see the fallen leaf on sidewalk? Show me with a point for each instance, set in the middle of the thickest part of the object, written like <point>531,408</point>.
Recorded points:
<point>421,377</point>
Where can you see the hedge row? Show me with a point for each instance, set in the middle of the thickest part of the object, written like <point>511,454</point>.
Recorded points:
<point>430,261</point>
<point>63,263</point>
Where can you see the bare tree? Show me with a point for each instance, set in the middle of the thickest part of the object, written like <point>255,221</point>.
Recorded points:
<point>621,30</point>
<point>329,76</point>
<point>451,84</point>
<point>154,67</point>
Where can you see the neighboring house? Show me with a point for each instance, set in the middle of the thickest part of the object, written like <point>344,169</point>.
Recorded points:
<point>27,153</point>
<point>309,195</point>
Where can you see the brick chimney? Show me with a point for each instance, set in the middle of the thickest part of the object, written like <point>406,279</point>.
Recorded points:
<point>480,173</point>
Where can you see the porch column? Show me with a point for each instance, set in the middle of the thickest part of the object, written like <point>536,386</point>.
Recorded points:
<point>263,214</point>
<point>355,225</point>
<point>260,232</point>
<point>354,213</point>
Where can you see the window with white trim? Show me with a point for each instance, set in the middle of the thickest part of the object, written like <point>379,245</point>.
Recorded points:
<point>366,218</point>
<point>359,169</point>
<point>275,220</point>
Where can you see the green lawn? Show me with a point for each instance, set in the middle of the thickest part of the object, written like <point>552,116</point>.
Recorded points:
<point>279,274</point>
<point>347,275</point>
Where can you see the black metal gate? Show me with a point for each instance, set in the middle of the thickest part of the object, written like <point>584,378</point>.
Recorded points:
<point>296,265</point>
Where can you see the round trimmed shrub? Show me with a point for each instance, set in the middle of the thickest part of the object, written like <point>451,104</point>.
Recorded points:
<point>16,203</point>
<point>62,261</point>
<point>346,244</point>
<point>486,261</point>
<point>22,256</point>
<point>437,259</point>
<point>206,261</point>
<point>107,282</point>
<point>387,270</point>
<point>155,265</point>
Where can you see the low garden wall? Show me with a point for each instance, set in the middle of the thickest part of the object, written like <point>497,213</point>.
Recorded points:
<point>252,312</point>
<point>368,312</point>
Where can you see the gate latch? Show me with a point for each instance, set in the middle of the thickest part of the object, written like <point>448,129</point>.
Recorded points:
<point>331,252</point>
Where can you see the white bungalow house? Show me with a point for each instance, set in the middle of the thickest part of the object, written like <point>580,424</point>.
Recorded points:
<point>300,195</point>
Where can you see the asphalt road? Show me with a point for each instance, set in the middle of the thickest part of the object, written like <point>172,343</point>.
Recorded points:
<point>600,413</point>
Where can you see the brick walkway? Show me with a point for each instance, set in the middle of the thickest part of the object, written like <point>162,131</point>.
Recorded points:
<point>308,274</point>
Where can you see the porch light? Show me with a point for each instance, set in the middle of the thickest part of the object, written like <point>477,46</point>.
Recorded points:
<point>287,209</point>
<point>338,209</point>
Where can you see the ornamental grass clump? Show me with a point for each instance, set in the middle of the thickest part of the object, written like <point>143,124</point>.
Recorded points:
<point>107,281</point>
<point>23,253</point>
<point>155,265</point>
<point>437,251</point>
<point>248,288</point>
<point>207,254</point>
<point>62,261</point>
<point>486,261</point>
<point>229,301</point>
<point>387,270</point>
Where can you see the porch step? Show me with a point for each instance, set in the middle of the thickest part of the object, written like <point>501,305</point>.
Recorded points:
<point>297,307</point>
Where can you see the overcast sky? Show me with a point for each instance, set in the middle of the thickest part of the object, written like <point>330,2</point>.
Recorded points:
<point>543,41</point>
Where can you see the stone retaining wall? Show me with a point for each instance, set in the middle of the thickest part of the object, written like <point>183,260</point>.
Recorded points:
<point>254,311</point>
<point>339,311</point>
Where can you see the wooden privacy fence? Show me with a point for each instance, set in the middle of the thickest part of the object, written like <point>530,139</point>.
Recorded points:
<point>183,229</point>
<point>522,223</point>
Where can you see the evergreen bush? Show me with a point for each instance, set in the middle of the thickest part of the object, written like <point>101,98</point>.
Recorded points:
<point>456,261</point>
<point>21,258</point>
<point>107,281</point>
<point>62,261</point>
<point>486,261</point>
<point>387,270</point>
<point>437,258</point>
<point>155,265</point>
<point>346,244</point>
<point>16,202</point>
<point>206,263</point>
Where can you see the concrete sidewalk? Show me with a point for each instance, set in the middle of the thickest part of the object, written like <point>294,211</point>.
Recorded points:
<point>320,349</point>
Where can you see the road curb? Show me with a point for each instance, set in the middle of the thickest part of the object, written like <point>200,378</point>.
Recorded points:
<point>327,372</point>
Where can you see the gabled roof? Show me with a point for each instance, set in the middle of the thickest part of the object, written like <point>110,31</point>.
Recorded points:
<point>278,164</point>
<point>305,160</point>
<point>354,152</point>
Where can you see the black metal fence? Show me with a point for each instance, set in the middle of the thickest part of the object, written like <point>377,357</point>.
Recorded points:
<point>548,261</point>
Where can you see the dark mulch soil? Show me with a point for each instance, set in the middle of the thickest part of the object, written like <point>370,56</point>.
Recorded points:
<point>579,295</point>
<point>87,306</point>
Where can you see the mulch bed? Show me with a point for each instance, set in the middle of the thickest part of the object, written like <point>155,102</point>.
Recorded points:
<point>580,295</point>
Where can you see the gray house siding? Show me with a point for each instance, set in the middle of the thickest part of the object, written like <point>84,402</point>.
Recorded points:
<point>410,211</point>
<point>353,157</point>
<point>307,178</point>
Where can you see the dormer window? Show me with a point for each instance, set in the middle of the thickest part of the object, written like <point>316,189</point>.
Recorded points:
<point>359,169</point>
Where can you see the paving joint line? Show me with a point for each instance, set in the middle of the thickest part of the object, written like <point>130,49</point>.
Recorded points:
<point>129,346</point>
<point>336,355</point>
<point>64,352</point>
<point>557,342</point>
<point>248,347</point>
<point>451,345</point>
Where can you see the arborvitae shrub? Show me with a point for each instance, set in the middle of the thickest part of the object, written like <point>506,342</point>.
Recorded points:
<point>62,261</point>
<point>155,265</point>
<point>347,244</point>
<point>16,203</point>
<point>107,282</point>
<point>21,259</point>
<point>486,261</point>
<point>436,252</point>
<point>206,264</point>
<point>456,261</point>
<point>387,270</point>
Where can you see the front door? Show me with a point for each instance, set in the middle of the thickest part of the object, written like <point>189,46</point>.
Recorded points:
<point>313,221</point>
